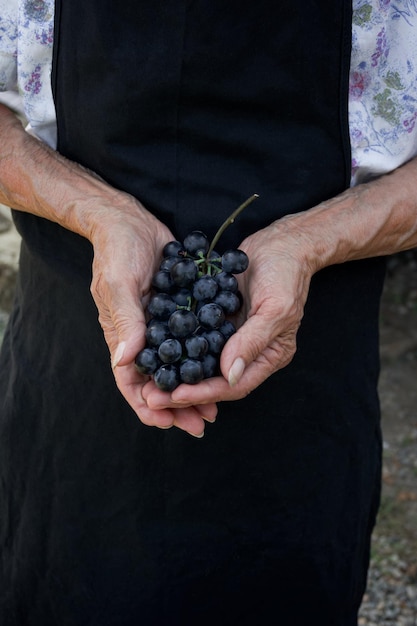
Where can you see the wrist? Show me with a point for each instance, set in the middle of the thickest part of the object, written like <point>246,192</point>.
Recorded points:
<point>373,219</point>
<point>38,180</point>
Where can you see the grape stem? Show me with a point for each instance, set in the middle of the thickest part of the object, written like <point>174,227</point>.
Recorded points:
<point>229,221</point>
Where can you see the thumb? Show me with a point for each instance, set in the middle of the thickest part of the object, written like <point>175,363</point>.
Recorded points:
<point>244,347</point>
<point>128,346</point>
<point>130,342</point>
<point>127,335</point>
<point>118,354</point>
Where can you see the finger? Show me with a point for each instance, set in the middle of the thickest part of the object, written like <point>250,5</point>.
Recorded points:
<point>207,411</point>
<point>130,384</point>
<point>268,336</point>
<point>246,345</point>
<point>189,420</point>
<point>218,389</point>
<point>157,399</point>
<point>124,329</point>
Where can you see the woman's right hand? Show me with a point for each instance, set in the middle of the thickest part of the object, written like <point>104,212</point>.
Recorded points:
<point>127,246</point>
<point>127,241</point>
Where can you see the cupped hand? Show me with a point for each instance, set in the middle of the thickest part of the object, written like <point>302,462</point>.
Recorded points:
<point>275,289</point>
<point>127,247</point>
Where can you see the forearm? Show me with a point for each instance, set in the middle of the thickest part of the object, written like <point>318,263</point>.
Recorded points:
<point>38,180</point>
<point>127,241</point>
<point>373,219</point>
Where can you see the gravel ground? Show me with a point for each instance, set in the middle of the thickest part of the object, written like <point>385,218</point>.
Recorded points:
<point>391,596</point>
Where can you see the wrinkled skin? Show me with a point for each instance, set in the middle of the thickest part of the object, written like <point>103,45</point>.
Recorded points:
<point>376,218</point>
<point>275,289</point>
<point>130,248</point>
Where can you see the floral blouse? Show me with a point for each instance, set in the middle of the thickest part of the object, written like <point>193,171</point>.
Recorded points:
<point>26,39</point>
<point>383,77</point>
<point>383,86</point>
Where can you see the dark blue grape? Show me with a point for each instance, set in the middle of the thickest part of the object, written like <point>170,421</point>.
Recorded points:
<point>184,272</point>
<point>156,332</point>
<point>182,323</point>
<point>215,340</point>
<point>183,297</point>
<point>205,288</point>
<point>227,329</point>
<point>173,248</point>
<point>210,366</point>
<point>147,361</point>
<point>229,302</point>
<point>196,346</point>
<point>162,282</point>
<point>168,262</point>
<point>196,242</point>
<point>167,377</point>
<point>161,306</point>
<point>235,261</point>
<point>211,315</point>
<point>191,371</point>
<point>226,281</point>
<point>170,351</point>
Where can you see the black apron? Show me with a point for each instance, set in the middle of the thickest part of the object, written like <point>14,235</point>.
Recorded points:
<point>192,106</point>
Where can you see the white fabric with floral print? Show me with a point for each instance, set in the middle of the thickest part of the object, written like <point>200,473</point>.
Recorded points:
<point>383,86</point>
<point>26,39</point>
<point>383,77</point>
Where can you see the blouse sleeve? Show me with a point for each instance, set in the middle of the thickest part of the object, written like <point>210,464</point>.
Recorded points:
<point>8,44</point>
<point>383,87</point>
<point>26,43</point>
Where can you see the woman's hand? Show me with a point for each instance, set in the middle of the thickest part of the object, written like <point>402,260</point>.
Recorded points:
<point>127,241</point>
<point>376,218</point>
<point>274,289</point>
<point>127,246</point>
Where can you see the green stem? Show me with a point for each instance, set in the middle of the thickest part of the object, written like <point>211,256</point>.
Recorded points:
<point>229,221</point>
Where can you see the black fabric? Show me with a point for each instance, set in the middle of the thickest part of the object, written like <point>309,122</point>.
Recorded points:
<point>192,107</point>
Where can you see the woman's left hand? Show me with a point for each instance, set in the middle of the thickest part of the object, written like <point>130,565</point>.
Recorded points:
<point>275,289</point>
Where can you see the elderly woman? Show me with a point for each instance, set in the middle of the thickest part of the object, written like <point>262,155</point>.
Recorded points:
<point>150,120</point>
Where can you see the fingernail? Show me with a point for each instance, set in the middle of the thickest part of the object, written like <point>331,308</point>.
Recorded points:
<point>118,355</point>
<point>236,371</point>
<point>197,436</point>
<point>210,420</point>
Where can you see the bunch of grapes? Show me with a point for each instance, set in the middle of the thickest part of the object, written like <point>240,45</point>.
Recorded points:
<point>195,291</point>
